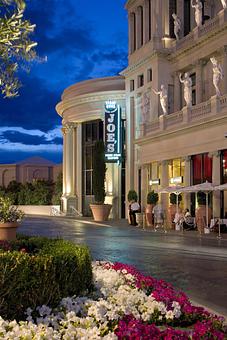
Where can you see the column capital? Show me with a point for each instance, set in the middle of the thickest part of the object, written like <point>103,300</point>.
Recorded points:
<point>187,158</point>
<point>214,154</point>
<point>68,127</point>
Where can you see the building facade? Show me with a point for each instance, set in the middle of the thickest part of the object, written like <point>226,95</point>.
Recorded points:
<point>188,145</point>
<point>30,169</point>
<point>82,109</point>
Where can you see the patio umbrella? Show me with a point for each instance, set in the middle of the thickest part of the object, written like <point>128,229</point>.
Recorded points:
<point>221,187</point>
<point>205,187</point>
<point>176,189</point>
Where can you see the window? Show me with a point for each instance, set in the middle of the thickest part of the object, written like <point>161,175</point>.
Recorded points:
<point>140,23</point>
<point>140,80</point>
<point>132,85</point>
<point>202,168</point>
<point>92,131</point>
<point>187,16</point>
<point>224,167</point>
<point>149,19</point>
<point>193,78</point>
<point>133,32</point>
<point>176,168</point>
<point>149,75</point>
<point>172,9</point>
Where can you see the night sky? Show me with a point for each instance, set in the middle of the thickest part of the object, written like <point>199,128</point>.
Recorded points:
<point>81,40</point>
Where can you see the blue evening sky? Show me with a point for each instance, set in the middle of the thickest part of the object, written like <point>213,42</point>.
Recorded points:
<point>81,40</point>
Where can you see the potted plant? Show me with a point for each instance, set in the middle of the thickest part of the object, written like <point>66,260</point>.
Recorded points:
<point>152,200</point>
<point>200,214</point>
<point>173,207</point>
<point>10,217</point>
<point>99,210</point>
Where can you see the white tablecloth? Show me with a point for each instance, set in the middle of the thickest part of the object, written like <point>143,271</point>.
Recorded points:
<point>222,221</point>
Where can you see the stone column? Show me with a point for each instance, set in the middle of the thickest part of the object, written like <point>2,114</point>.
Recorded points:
<point>144,185</point>
<point>68,168</point>
<point>187,180</point>
<point>216,178</point>
<point>165,183</point>
<point>146,22</point>
<point>176,92</point>
<point>138,27</point>
<point>225,69</point>
<point>199,81</point>
<point>79,174</point>
<point>64,160</point>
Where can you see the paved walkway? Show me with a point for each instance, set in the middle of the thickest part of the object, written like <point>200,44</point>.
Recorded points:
<point>198,265</point>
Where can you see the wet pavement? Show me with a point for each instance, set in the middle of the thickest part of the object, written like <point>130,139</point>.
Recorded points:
<point>197,265</point>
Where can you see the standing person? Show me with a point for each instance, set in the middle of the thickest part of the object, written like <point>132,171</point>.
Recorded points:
<point>134,208</point>
<point>158,216</point>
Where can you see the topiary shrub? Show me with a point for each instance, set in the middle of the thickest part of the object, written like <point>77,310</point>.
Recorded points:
<point>99,172</point>
<point>132,195</point>
<point>36,271</point>
<point>201,198</point>
<point>152,197</point>
<point>173,198</point>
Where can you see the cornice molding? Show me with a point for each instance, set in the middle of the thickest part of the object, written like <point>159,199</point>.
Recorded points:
<point>89,98</point>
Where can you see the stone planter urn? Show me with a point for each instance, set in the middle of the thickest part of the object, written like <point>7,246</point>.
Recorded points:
<point>171,214</point>
<point>8,231</point>
<point>100,211</point>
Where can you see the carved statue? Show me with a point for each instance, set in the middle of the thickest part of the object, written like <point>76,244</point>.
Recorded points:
<point>163,99</point>
<point>187,89</point>
<point>218,74</point>
<point>198,12</point>
<point>224,4</point>
<point>177,25</point>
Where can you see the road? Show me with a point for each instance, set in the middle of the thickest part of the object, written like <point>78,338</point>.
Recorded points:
<point>196,265</point>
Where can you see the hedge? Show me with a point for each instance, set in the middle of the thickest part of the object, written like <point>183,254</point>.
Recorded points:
<point>48,271</point>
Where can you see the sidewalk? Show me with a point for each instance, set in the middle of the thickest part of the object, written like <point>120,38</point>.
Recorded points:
<point>124,224</point>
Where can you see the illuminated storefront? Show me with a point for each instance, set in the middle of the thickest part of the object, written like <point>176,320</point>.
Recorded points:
<point>84,108</point>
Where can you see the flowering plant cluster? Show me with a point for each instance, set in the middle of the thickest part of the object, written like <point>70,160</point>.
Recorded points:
<point>9,213</point>
<point>124,305</point>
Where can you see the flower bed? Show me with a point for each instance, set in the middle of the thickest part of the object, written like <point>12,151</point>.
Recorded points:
<point>124,305</point>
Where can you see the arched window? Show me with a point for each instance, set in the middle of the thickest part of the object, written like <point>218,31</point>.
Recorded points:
<point>149,20</point>
<point>140,26</point>
<point>133,32</point>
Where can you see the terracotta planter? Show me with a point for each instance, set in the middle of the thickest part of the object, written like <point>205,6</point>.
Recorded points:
<point>200,217</point>
<point>100,211</point>
<point>172,211</point>
<point>8,231</point>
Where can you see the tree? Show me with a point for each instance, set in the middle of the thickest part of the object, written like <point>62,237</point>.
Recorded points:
<point>15,44</point>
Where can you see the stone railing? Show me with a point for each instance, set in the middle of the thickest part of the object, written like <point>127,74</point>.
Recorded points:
<point>202,112</point>
<point>223,102</point>
<point>199,111</point>
<point>173,119</point>
<point>208,27</point>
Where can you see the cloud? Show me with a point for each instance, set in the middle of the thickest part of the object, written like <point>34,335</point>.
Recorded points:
<point>16,138</point>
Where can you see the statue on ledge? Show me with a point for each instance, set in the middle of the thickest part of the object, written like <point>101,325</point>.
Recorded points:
<point>177,25</point>
<point>163,99</point>
<point>198,12</point>
<point>218,74</point>
<point>224,4</point>
<point>187,89</point>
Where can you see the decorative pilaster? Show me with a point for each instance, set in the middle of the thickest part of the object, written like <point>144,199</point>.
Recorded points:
<point>187,180</point>
<point>225,69</point>
<point>216,179</point>
<point>144,186</point>
<point>164,183</point>
<point>176,92</point>
<point>199,81</point>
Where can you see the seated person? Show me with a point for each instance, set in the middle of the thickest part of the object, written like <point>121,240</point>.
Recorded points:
<point>188,223</point>
<point>134,208</point>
